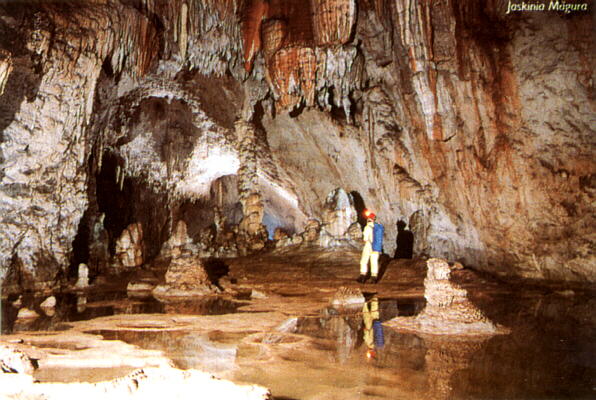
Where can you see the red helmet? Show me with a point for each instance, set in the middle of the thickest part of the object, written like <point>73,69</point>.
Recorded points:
<point>369,214</point>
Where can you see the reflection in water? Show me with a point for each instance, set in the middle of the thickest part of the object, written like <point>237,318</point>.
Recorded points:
<point>186,349</point>
<point>82,306</point>
<point>444,356</point>
<point>550,353</point>
<point>372,328</point>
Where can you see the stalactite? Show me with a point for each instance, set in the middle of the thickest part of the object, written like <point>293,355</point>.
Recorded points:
<point>254,14</point>
<point>292,73</point>
<point>333,21</point>
<point>183,36</point>
<point>274,33</point>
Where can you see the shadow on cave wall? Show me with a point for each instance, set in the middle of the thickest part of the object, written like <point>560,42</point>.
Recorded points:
<point>360,206</point>
<point>404,242</point>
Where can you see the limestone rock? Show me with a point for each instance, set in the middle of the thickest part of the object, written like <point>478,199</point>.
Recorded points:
<point>292,73</point>
<point>355,232</point>
<point>311,231</point>
<point>129,247</point>
<point>27,314</point>
<point>13,360</point>
<point>274,32</point>
<point>339,213</point>
<point>151,382</point>
<point>82,276</point>
<point>186,276</point>
<point>448,310</point>
<point>279,234</point>
<point>5,68</point>
<point>333,20</point>
<point>48,306</point>
<point>178,243</point>
<point>423,120</point>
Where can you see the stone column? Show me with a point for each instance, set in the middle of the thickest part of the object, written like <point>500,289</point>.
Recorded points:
<point>252,234</point>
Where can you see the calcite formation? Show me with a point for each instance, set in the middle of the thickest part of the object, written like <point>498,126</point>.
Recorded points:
<point>16,376</point>
<point>292,73</point>
<point>82,276</point>
<point>251,232</point>
<point>14,361</point>
<point>129,247</point>
<point>339,226</point>
<point>186,276</point>
<point>333,21</point>
<point>346,296</point>
<point>338,213</point>
<point>178,243</point>
<point>448,310</point>
<point>5,68</point>
<point>473,126</point>
<point>48,306</point>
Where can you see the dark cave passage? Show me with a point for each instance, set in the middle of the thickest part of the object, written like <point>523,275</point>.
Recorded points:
<point>125,200</point>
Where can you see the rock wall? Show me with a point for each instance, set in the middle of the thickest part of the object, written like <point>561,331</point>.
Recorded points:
<point>473,126</point>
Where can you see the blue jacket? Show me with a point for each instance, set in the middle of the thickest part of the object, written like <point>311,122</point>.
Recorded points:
<point>377,242</point>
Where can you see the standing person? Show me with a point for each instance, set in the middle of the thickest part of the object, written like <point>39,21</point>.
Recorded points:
<point>373,246</point>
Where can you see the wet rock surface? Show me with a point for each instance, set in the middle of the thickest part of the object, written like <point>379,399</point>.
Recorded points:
<point>289,333</point>
<point>448,310</point>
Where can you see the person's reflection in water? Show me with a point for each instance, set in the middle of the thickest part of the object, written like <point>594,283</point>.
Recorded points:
<point>373,329</point>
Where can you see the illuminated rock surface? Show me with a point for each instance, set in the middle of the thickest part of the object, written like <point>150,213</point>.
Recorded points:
<point>474,126</point>
<point>195,144</point>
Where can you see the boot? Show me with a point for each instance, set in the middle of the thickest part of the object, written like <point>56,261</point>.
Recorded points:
<point>374,280</point>
<point>361,279</point>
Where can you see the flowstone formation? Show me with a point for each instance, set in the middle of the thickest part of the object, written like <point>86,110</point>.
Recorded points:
<point>448,310</point>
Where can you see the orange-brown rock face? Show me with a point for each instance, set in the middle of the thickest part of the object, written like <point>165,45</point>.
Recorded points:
<point>292,73</point>
<point>290,31</point>
<point>255,12</point>
<point>472,126</point>
<point>333,21</point>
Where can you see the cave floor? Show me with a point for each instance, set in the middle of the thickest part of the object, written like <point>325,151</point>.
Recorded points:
<point>274,326</point>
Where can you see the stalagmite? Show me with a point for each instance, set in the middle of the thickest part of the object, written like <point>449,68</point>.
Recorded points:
<point>448,310</point>
<point>82,276</point>
<point>129,247</point>
<point>252,234</point>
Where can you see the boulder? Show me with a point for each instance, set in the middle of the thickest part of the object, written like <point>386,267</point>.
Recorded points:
<point>48,306</point>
